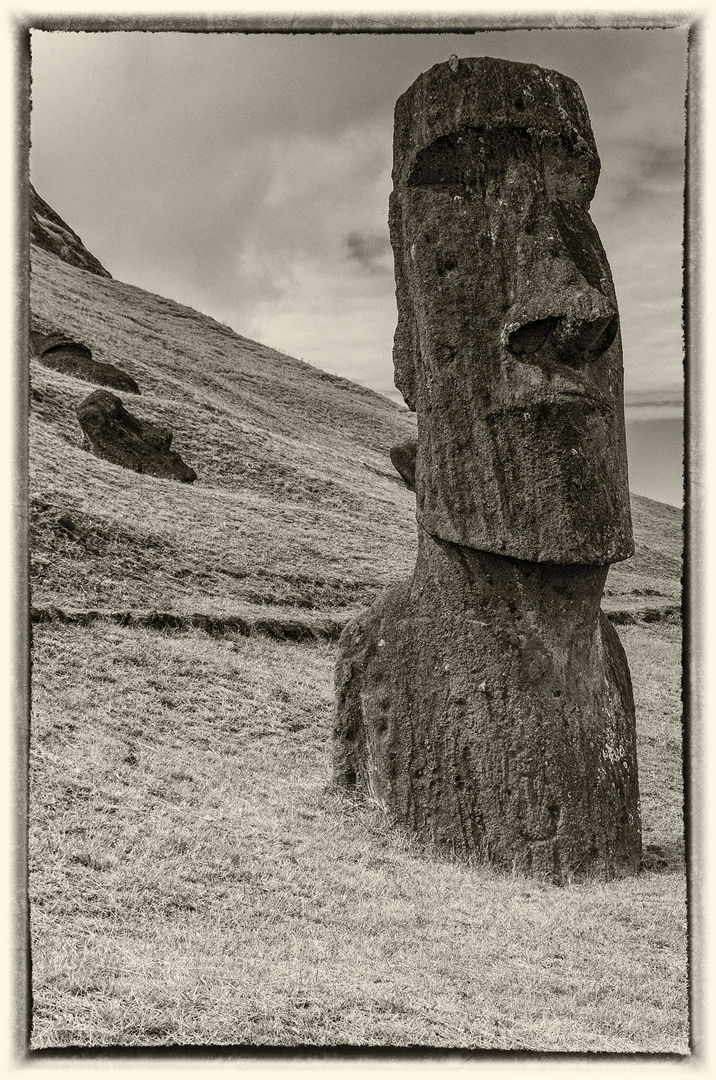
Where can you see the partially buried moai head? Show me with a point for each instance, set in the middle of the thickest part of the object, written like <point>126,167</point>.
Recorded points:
<point>508,343</point>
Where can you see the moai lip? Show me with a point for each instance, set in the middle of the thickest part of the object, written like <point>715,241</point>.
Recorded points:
<point>508,343</point>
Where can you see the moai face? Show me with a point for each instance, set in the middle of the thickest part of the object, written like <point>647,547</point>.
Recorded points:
<point>508,341</point>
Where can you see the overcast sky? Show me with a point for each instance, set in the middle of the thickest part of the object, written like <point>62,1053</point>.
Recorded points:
<point>248,176</point>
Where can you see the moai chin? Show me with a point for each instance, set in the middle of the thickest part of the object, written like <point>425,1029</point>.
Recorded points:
<point>487,702</point>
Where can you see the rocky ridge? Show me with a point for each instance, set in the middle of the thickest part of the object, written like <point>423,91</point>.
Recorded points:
<point>49,231</point>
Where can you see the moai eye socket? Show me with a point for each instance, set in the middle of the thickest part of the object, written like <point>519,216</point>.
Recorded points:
<point>569,169</point>
<point>444,165</point>
<point>471,159</point>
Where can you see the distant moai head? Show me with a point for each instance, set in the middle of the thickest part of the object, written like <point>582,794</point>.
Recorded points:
<point>508,343</point>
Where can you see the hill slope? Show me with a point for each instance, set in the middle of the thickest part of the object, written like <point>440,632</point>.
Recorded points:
<point>290,506</point>
<point>50,232</point>
<point>296,504</point>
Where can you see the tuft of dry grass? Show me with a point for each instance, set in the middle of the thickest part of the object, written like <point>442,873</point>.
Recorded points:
<point>195,880</point>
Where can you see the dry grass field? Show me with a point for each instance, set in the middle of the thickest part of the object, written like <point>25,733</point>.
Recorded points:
<point>194,878</point>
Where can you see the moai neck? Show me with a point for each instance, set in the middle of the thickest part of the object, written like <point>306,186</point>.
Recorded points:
<point>557,604</point>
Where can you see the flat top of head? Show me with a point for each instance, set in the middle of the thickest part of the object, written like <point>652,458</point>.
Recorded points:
<point>487,93</point>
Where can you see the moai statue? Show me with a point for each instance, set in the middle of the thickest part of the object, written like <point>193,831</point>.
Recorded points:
<point>486,703</point>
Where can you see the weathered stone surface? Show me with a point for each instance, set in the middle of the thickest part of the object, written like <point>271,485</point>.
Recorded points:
<point>403,458</point>
<point>45,340</point>
<point>61,353</point>
<point>508,341</point>
<point>487,702</point>
<point>114,434</point>
<point>487,706</point>
<point>49,231</point>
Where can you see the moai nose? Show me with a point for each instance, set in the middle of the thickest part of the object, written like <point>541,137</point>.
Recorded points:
<point>575,332</point>
<point>563,307</point>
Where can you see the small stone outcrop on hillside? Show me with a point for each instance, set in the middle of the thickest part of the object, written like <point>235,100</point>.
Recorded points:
<point>61,353</point>
<point>115,435</point>
<point>49,231</point>
<point>486,703</point>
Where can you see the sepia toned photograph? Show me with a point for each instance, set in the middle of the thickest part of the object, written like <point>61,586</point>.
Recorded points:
<point>355,494</point>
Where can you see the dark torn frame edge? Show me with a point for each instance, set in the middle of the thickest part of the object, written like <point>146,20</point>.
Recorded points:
<point>694,614</point>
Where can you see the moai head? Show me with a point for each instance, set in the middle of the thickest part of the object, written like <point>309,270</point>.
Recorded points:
<point>508,343</point>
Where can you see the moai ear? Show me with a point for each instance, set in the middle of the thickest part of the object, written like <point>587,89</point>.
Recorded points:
<point>406,355</point>
<point>406,343</point>
<point>403,457</point>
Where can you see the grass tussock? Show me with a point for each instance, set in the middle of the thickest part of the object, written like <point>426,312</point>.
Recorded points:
<point>211,887</point>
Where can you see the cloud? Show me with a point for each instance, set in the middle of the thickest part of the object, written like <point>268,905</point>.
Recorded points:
<point>639,215</point>
<point>336,317</point>
<point>372,251</point>
<point>642,175</point>
<point>641,412</point>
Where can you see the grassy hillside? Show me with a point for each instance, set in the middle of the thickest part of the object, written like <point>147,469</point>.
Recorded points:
<point>194,879</point>
<point>297,503</point>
